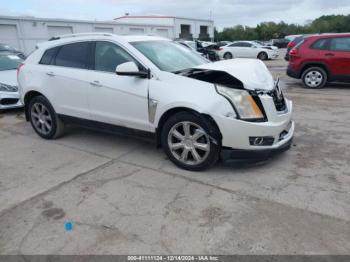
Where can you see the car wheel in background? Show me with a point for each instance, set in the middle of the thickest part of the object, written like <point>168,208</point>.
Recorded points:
<point>263,56</point>
<point>228,55</point>
<point>314,77</point>
<point>191,142</point>
<point>44,119</point>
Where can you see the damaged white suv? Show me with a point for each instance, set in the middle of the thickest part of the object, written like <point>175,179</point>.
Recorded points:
<point>196,110</point>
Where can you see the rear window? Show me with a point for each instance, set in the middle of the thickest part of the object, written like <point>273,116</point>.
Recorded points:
<point>48,56</point>
<point>76,55</point>
<point>322,44</point>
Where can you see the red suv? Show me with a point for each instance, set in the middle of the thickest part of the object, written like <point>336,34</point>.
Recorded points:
<point>319,59</point>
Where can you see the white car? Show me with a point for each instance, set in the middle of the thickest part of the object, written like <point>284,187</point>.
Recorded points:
<point>9,95</point>
<point>195,110</point>
<point>248,49</point>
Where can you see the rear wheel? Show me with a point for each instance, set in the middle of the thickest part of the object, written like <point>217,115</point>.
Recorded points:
<point>228,56</point>
<point>191,142</point>
<point>314,77</point>
<point>44,119</point>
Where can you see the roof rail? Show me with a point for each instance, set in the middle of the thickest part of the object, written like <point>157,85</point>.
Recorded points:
<point>80,34</point>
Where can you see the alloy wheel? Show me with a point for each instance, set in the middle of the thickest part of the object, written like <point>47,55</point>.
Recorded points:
<point>189,143</point>
<point>41,118</point>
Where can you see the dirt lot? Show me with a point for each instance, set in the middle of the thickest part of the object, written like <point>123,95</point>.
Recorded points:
<point>123,196</point>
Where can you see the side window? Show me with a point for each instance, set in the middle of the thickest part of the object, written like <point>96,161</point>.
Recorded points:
<point>246,45</point>
<point>76,55</point>
<point>108,56</point>
<point>341,44</point>
<point>322,44</point>
<point>48,56</point>
<point>238,44</point>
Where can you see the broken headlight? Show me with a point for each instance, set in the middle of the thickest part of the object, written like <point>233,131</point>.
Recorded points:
<point>242,102</point>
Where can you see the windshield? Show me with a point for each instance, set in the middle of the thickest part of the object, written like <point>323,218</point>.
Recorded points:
<point>169,56</point>
<point>9,62</point>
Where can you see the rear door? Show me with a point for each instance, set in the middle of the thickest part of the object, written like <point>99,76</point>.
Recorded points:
<point>64,71</point>
<point>339,56</point>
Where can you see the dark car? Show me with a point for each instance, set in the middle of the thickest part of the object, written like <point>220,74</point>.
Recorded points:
<point>209,51</point>
<point>319,59</point>
<point>280,43</point>
<point>292,44</point>
<point>4,48</point>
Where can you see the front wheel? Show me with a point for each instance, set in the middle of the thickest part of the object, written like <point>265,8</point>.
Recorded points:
<point>314,77</point>
<point>191,142</point>
<point>263,56</point>
<point>44,119</point>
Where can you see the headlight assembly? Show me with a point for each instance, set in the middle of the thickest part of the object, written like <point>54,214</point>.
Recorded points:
<point>242,101</point>
<point>8,88</point>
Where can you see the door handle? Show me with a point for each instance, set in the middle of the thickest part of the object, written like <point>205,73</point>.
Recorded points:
<point>96,83</point>
<point>329,54</point>
<point>50,74</point>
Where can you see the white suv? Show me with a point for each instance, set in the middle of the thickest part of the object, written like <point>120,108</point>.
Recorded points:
<point>195,109</point>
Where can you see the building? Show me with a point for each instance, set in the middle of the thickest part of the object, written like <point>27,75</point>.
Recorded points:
<point>184,28</point>
<point>25,32</point>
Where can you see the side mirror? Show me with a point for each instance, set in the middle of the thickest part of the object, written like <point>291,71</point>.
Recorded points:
<point>131,69</point>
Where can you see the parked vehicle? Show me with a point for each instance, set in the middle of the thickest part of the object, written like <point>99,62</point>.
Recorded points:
<point>9,49</point>
<point>280,43</point>
<point>319,59</point>
<point>192,45</point>
<point>248,49</point>
<point>196,110</point>
<point>293,44</point>
<point>9,95</point>
<point>208,51</point>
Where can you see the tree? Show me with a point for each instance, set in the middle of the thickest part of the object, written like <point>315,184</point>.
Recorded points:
<point>270,30</point>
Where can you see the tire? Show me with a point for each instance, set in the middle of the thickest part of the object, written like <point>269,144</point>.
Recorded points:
<point>263,56</point>
<point>196,149</point>
<point>228,56</point>
<point>44,119</point>
<point>314,77</point>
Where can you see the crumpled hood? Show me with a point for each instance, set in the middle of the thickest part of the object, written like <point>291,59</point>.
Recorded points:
<point>9,77</point>
<point>253,73</point>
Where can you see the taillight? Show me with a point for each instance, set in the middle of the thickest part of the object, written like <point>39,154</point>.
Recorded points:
<point>291,45</point>
<point>294,51</point>
<point>19,68</point>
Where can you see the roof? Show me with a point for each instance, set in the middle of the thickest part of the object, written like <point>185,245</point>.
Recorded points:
<point>63,39</point>
<point>160,17</point>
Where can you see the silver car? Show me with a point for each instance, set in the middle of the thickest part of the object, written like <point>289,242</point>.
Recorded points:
<point>9,95</point>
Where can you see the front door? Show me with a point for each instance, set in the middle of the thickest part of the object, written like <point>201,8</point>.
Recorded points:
<point>115,99</point>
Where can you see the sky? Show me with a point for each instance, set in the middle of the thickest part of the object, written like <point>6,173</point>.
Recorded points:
<point>225,13</point>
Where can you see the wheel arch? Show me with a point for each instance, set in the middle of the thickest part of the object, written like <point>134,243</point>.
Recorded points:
<point>29,96</point>
<point>315,64</point>
<point>170,112</point>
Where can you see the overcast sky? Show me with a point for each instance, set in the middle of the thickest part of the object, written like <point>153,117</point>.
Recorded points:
<point>225,13</point>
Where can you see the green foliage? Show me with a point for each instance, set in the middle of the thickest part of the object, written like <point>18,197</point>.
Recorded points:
<point>271,30</point>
